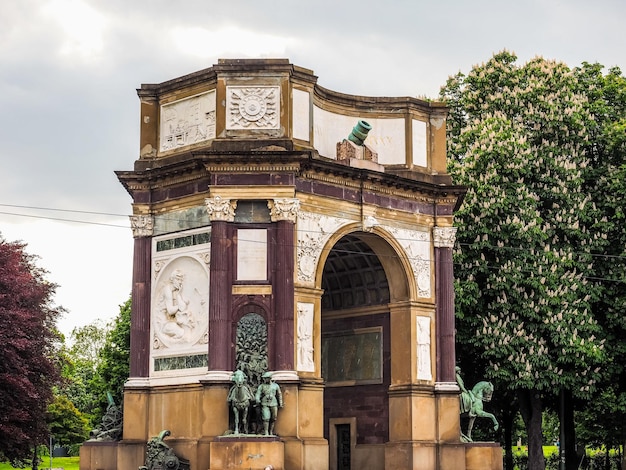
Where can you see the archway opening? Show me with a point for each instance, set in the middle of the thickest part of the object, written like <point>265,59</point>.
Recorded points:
<point>356,345</point>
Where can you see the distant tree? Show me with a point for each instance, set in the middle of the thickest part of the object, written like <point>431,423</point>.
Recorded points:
<point>526,244</point>
<point>29,342</point>
<point>81,361</point>
<point>87,342</point>
<point>67,424</point>
<point>114,364</point>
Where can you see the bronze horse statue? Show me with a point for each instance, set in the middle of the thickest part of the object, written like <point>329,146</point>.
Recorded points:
<point>239,397</point>
<point>472,406</point>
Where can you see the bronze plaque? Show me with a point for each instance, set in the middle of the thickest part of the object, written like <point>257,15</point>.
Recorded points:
<point>353,357</point>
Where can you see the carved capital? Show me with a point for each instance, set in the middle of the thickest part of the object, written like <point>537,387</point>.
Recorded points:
<point>284,209</point>
<point>141,225</point>
<point>220,209</point>
<point>444,237</point>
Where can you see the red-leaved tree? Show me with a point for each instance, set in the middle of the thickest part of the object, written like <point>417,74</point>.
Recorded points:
<point>28,344</point>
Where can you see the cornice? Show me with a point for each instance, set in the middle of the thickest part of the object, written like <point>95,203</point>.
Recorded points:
<point>307,165</point>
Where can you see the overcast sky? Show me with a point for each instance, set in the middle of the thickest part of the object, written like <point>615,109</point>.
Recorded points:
<point>69,112</point>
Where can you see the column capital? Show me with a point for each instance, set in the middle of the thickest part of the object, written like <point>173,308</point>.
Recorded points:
<point>284,209</point>
<point>142,225</point>
<point>444,237</point>
<point>220,209</point>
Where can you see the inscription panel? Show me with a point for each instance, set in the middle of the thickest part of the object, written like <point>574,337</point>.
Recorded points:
<point>353,357</point>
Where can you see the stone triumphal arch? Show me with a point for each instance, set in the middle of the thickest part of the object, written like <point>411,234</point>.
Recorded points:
<point>286,230</point>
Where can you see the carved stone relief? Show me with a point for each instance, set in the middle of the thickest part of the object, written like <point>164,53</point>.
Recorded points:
<point>188,121</point>
<point>424,370</point>
<point>416,245</point>
<point>313,231</point>
<point>305,361</point>
<point>180,303</point>
<point>251,348</point>
<point>252,107</point>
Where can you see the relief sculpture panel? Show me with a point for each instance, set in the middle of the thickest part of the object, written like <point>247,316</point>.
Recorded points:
<point>187,121</point>
<point>180,304</point>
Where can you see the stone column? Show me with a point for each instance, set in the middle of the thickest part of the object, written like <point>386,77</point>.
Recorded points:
<point>446,389</point>
<point>142,227</point>
<point>284,213</point>
<point>221,211</point>
<point>444,238</point>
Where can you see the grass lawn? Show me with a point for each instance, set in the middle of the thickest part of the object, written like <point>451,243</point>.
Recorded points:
<point>67,463</point>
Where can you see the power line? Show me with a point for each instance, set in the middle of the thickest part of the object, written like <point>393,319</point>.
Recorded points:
<point>60,210</point>
<point>65,220</point>
<point>595,255</point>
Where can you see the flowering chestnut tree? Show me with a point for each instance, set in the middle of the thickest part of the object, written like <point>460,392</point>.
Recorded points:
<point>526,231</point>
<point>606,184</point>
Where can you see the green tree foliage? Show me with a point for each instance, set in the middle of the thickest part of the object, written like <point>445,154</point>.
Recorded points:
<point>29,344</point>
<point>81,361</point>
<point>604,418</point>
<point>114,366</point>
<point>87,343</point>
<point>66,423</point>
<point>524,301</point>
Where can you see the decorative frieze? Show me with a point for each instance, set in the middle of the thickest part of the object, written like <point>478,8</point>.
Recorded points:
<point>252,107</point>
<point>444,237</point>
<point>142,225</point>
<point>221,209</point>
<point>284,209</point>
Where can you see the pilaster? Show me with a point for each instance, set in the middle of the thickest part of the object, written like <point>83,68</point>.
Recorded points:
<point>444,238</point>
<point>142,227</point>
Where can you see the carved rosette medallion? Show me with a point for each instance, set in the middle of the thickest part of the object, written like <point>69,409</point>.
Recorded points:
<point>444,237</point>
<point>252,107</point>
<point>314,231</point>
<point>142,225</point>
<point>284,209</point>
<point>416,245</point>
<point>220,209</point>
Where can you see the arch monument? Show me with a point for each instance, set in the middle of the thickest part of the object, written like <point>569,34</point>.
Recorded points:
<point>283,229</point>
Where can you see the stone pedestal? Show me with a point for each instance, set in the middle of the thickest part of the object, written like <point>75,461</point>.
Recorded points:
<point>98,454</point>
<point>247,453</point>
<point>483,456</point>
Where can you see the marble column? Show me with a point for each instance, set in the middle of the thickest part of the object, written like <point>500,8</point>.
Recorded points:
<point>142,227</point>
<point>444,238</point>
<point>284,213</point>
<point>221,212</point>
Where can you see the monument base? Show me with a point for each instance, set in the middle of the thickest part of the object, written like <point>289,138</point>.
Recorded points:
<point>483,456</point>
<point>242,453</point>
<point>98,454</point>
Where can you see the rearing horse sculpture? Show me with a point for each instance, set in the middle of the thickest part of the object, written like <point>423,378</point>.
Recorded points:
<point>472,405</point>
<point>239,397</point>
